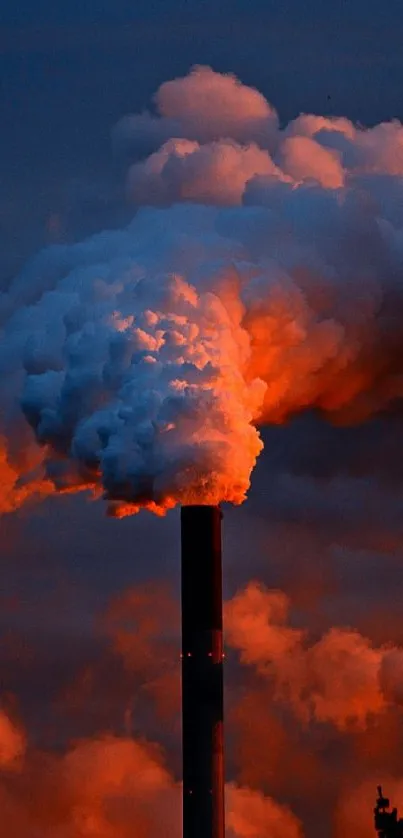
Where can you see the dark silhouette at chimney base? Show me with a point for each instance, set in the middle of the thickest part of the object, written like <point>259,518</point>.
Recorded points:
<point>387,824</point>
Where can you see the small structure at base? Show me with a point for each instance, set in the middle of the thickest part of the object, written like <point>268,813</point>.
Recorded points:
<point>387,823</point>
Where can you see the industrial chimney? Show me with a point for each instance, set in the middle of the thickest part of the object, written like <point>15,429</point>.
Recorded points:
<point>202,673</point>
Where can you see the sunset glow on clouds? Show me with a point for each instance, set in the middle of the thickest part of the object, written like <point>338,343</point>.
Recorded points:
<point>145,359</point>
<point>341,678</point>
<point>107,786</point>
<point>255,295</point>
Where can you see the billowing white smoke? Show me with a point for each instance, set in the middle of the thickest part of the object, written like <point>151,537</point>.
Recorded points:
<point>143,359</point>
<point>133,377</point>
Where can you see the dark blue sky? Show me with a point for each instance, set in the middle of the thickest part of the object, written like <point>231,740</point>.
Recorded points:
<point>70,70</point>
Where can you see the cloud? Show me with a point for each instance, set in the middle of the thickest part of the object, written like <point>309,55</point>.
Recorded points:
<point>100,787</point>
<point>205,106</point>
<point>105,786</point>
<point>12,743</point>
<point>144,364</point>
<point>14,488</point>
<point>142,627</point>
<point>339,678</point>
<point>255,623</point>
<point>252,815</point>
<point>183,170</point>
<point>355,812</point>
<point>145,359</point>
<point>359,149</point>
<point>310,125</point>
<point>304,159</point>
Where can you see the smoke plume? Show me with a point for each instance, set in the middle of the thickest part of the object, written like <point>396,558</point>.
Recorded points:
<point>340,678</point>
<point>266,279</point>
<point>108,786</point>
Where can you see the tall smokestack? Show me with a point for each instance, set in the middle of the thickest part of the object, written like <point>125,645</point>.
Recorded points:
<point>202,673</point>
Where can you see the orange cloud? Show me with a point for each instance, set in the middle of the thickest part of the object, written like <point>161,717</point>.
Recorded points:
<point>12,743</point>
<point>18,481</point>
<point>183,170</point>
<point>354,813</point>
<point>304,159</point>
<point>252,815</point>
<point>107,786</point>
<point>340,678</point>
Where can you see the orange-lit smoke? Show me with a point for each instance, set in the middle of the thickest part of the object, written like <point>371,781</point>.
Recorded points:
<point>142,627</point>
<point>340,678</point>
<point>112,787</point>
<point>12,743</point>
<point>252,815</point>
<point>15,485</point>
<point>267,283</point>
<point>289,686</point>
